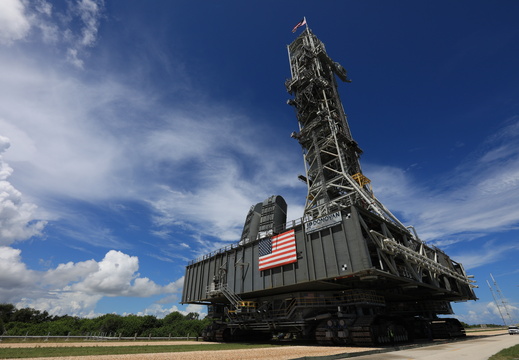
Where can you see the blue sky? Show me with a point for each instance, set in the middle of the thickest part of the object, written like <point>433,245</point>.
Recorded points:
<point>135,135</point>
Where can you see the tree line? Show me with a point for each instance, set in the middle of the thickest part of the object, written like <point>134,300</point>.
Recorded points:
<point>20,322</point>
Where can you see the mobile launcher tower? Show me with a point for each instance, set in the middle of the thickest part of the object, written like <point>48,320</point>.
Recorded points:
<point>348,271</point>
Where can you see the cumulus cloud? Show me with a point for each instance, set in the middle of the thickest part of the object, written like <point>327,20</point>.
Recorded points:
<point>63,303</point>
<point>17,220</point>
<point>161,311</point>
<point>115,275</point>
<point>486,313</point>
<point>75,288</point>
<point>15,278</point>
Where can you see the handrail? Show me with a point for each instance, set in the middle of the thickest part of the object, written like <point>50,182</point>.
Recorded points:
<point>292,223</point>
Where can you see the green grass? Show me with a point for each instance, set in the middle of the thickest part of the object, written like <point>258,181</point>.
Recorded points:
<point>510,353</point>
<point>20,353</point>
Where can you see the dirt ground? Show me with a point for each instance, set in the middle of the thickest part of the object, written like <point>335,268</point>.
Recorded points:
<point>281,353</point>
<point>277,353</point>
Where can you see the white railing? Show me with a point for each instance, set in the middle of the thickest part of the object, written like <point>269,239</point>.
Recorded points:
<point>95,337</point>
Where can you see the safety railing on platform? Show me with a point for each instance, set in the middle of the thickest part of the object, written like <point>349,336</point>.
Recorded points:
<point>288,225</point>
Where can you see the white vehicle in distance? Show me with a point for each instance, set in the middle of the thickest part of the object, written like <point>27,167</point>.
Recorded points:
<point>513,330</point>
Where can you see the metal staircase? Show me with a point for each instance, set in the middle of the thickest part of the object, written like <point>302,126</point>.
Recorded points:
<point>230,295</point>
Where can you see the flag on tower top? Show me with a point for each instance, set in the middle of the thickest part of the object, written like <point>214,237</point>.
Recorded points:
<point>299,24</point>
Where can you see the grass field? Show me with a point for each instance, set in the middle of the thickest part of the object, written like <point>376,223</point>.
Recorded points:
<point>510,353</point>
<point>20,353</point>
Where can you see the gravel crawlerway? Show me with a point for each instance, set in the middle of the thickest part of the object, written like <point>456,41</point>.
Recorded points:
<point>275,353</point>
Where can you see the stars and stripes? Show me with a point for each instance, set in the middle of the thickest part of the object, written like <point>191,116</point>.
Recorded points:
<point>299,24</point>
<point>277,250</point>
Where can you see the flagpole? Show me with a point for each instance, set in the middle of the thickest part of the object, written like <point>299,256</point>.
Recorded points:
<point>306,22</point>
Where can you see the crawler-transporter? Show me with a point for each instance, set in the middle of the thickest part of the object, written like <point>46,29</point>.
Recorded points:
<point>348,271</point>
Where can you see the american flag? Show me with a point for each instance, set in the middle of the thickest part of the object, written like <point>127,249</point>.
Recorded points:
<point>299,24</point>
<point>277,250</point>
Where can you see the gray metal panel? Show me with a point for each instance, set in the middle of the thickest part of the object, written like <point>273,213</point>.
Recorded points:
<point>360,259</point>
<point>330,254</point>
<point>341,249</point>
<point>247,282</point>
<point>252,221</point>
<point>323,255</point>
<point>273,215</point>
<point>316,251</point>
<point>191,285</point>
<point>302,274</point>
<point>233,272</point>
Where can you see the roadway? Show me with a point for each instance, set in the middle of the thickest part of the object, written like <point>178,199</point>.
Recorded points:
<point>478,348</point>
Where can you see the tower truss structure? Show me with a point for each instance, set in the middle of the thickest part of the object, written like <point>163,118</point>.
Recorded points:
<point>333,173</point>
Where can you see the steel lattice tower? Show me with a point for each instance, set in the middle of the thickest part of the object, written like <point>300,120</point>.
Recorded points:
<point>333,172</point>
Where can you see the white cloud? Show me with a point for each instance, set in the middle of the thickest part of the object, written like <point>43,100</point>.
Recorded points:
<point>72,57</point>
<point>200,309</point>
<point>63,303</point>
<point>87,141</point>
<point>474,199</point>
<point>89,12</point>
<point>75,288</point>
<point>42,19</point>
<point>13,272</point>
<point>160,311</point>
<point>210,203</point>
<point>17,18</point>
<point>485,313</point>
<point>489,253</point>
<point>64,274</point>
<point>55,136</point>
<point>14,24</point>
<point>116,275</point>
<point>44,7</point>
<point>17,220</point>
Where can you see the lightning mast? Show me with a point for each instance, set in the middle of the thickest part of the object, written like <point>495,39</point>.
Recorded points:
<point>495,301</point>
<point>502,299</point>
<point>333,173</point>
